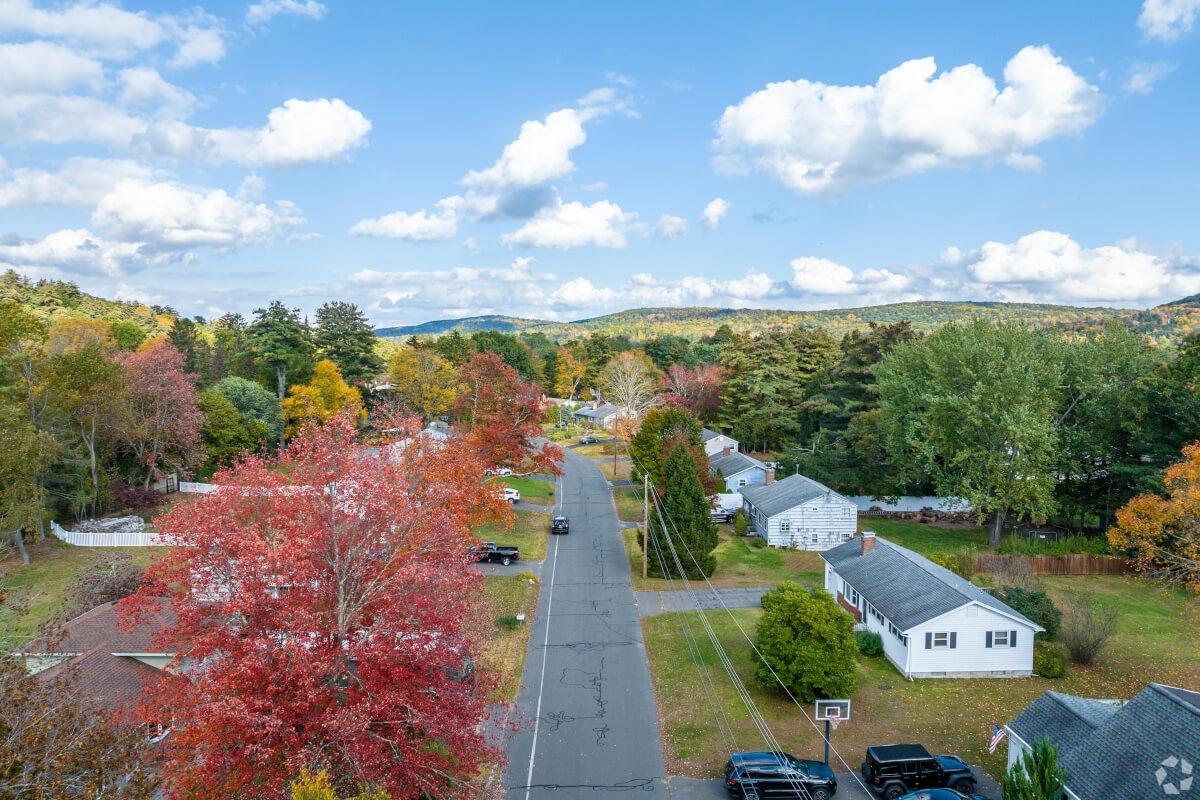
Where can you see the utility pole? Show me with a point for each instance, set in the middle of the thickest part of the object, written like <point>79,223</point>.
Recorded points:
<point>645,522</point>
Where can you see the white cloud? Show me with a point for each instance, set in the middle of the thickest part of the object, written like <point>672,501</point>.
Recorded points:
<point>55,119</point>
<point>103,28</point>
<point>198,44</point>
<point>45,67</point>
<point>821,276</point>
<point>172,215</point>
<point>143,87</point>
<point>569,225</point>
<point>714,212</point>
<point>815,137</point>
<point>262,12</point>
<point>1143,76</point>
<point>669,226</point>
<point>80,181</point>
<point>71,252</point>
<point>417,227</point>
<point>1168,19</point>
<point>581,293</point>
<point>1048,264</point>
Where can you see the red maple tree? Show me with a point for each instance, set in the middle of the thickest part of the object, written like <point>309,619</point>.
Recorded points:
<point>325,620</point>
<point>698,388</point>
<point>503,416</point>
<point>158,418</point>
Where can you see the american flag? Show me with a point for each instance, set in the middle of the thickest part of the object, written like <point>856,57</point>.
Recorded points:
<point>998,735</point>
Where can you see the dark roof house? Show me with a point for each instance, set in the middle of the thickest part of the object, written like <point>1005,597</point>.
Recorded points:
<point>790,492</point>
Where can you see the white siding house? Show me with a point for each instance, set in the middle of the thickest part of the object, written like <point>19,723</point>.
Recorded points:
<point>934,624</point>
<point>799,512</point>
<point>717,442</point>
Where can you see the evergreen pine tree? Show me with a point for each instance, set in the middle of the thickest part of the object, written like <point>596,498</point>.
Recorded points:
<point>346,338</point>
<point>688,524</point>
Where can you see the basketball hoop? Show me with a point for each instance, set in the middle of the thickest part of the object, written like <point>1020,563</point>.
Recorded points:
<point>834,722</point>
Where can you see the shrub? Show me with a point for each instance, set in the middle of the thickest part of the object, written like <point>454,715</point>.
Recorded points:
<point>1037,775</point>
<point>740,523</point>
<point>808,642</point>
<point>1048,661</point>
<point>1034,604</point>
<point>964,561</point>
<point>508,622</point>
<point>869,643</point>
<point>128,496</point>
<point>946,561</point>
<point>758,543</point>
<point>111,578</point>
<point>1086,628</point>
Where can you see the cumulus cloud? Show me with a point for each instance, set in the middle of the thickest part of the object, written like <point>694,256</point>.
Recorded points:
<point>45,67</point>
<point>565,226</point>
<point>198,44</point>
<point>79,181</point>
<point>170,214</point>
<point>417,227</point>
<point>1143,76</point>
<point>1168,19</point>
<point>713,212</point>
<point>669,226</point>
<point>143,87</point>
<point>581,293</point>
<point>263,12</point>
<point>815,137</point>
<point>104,28</point>
<point>74,252</point>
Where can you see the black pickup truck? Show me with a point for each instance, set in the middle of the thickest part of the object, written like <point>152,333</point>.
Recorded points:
<point>490,551</point>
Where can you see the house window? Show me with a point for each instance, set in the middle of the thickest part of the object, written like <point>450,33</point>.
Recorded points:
<point>999,638</point>
<point>853,597</point>
<point>941,641</point>
<point>847,536</point>
<point>741,482</point>
<point>785,526</point>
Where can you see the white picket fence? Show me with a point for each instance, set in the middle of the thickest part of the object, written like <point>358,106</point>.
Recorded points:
<point>192,487</point>
<point>109,538</point>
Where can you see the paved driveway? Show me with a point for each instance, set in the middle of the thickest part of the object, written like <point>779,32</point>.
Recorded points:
<point>588,718</point>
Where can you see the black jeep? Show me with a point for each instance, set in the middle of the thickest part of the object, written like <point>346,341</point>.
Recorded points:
<point>892,770</point>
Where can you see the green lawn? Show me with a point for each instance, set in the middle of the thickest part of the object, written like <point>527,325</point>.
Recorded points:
<point>618,471</point>
<point>42,585</point>
<point>738,564</point>
<point>1153,643</point>
<point>925,539</point>
<point>504,653</point>
<point>533,490</point>
<point>529,533</point>
<point>629,503</point>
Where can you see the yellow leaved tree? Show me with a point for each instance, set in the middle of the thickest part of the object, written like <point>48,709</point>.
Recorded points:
<point>321,399</point>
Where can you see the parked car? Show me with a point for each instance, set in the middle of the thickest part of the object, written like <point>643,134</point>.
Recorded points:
<point>766,774</point>
<point>893,770</point>
<point>560,525</point>
<point>941,794</point>
<point>511,495</point>
<point>490,551</point>
<point>501,472</point>
<point>588,439</point>
<point>721,515</point>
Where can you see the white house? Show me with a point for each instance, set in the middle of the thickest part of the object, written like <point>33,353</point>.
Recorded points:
<point>799,512</point>
<point>1146,747</point>
<point>600,415</point>
<point>933,623</point>
<point>717,442</point>
<point>737,469</point>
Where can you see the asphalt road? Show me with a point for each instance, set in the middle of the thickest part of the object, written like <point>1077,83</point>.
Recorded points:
<point>586,709</point>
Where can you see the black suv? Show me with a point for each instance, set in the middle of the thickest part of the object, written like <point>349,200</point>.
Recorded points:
<point>767,774</point>
<point>560,525</point>
<point>892,770</point>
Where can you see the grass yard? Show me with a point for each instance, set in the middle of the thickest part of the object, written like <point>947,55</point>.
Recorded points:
<point>533,490</point>
<point>620,471</point>
<point>952,716</point>
<point>605,447</point>
<point>928,540</point>
<point>629,503</point>
<point>738,564</point>
<point>504,654</point>
<point>528,533</point>
<point>41,586</point>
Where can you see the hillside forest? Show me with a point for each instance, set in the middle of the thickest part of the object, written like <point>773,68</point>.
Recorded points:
<point>99,399</point>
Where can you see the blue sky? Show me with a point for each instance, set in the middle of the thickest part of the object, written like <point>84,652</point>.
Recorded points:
<point>565,160</point>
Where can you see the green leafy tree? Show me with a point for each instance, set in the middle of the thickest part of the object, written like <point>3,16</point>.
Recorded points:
<point>808,641</point>
<point>1037,775</point>
<point>648,445</point>
<point>454,347</point>
<point>25,455</point>
<point>281,344</point>
<point>128,335</point>
<point>514,352</point>
<point>230,336</point>
<point>185,338</point>
<point>225,434</point>
<point>87,386</point>
<point>255,403</point>
<point>346,338</point>
<point>1034,604</point>
<point>688,525</point>
<point>974,407</point>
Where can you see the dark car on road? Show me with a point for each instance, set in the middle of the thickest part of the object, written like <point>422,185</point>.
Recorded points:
<point>893,770</point>
<point>940,794</point>
<point>588,439</point>
<point>490,551</point>
<point>767,774</point>
<point>560,525</point>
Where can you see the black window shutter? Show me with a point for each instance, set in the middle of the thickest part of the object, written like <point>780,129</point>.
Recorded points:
<point>953,640</point>
<point>928,640</point>
<point>1012,638</point>
<point>989,639</point>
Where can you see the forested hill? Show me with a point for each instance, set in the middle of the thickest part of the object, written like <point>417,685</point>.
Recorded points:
<point>54,300</point>
<point>1166,321</point>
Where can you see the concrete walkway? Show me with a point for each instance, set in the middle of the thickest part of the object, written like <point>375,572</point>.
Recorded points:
<point>651,603</point>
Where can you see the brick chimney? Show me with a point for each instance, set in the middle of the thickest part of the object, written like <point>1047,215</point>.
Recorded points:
<point>868,541</point>
<point>728,450</point>
<point>770,476</point>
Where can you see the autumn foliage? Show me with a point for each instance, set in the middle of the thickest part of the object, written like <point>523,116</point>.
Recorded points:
<point>503,416</point>
<point>158,419</point>
<point>325,615</point>
<point>1161,532</point>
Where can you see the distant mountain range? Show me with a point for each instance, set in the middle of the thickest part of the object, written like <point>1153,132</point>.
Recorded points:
<point>1169,320</point>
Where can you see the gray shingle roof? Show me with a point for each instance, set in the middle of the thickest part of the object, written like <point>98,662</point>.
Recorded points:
<point>1121,754</point>
<point>707,435</point>
<point>733,463</point>
<point>1065,718</point>
<point>787,493</point>
<point>907,588</point>
<point>597,412</point>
